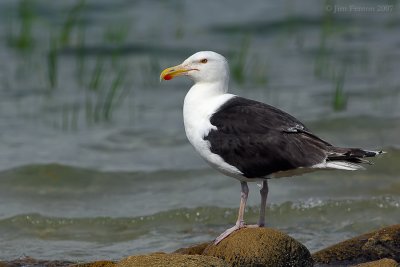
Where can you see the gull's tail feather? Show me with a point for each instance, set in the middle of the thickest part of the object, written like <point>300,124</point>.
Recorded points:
<point>343,165</point>
<point>349,158</point>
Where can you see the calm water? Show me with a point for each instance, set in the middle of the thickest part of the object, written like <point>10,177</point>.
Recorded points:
<point>94,161</point>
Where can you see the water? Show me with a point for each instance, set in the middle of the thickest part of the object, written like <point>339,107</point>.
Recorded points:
<point>94,162</point>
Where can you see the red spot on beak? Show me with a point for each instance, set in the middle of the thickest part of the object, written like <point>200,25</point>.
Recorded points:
<point>168,77</point>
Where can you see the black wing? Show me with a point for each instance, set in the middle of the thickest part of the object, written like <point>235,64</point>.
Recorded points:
<point>260,140</point>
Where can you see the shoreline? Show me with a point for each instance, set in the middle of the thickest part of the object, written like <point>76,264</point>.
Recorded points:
<point>262,246</point>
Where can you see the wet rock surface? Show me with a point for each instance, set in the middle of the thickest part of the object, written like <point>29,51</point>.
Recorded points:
<point>28,261</point>
<point>379,263</point>
<point>95,264</point>
<point>194,250</point>
<point>383,243</point>
<point>171,260</point>
<point>258,247</point>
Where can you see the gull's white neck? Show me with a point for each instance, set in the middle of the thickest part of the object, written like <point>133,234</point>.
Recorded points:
<point>202,98</point>
<point>202,91</point>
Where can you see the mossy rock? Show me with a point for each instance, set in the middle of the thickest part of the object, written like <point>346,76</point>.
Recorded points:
<point>171,260</point>
<point>193,250</point>
<point>28,261</point>
<point>260,247</point>
<point>383,243</point>
<point>379,263</point>
<point>95,264</point>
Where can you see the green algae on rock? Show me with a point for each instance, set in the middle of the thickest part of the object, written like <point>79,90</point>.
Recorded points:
<point>171,260</point>
<point>95,264</point>
<point>194,250</point>
<point>379,263</point>
<point>383,243</point>
<point>260,247</point>
<point>29,261</point>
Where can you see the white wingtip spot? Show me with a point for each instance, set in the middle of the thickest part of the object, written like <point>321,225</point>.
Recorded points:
<point>339,165</point>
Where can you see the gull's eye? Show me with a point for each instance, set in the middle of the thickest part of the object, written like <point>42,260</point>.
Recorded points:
<point>204,61</point>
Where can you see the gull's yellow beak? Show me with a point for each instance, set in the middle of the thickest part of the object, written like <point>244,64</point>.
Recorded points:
<point>172,72</point>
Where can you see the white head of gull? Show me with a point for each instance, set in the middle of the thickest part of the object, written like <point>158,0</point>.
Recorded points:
<point>249,140</point>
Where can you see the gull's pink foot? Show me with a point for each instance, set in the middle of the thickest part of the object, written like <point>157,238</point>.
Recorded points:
<point>233,229</point>
<point>227,232</point>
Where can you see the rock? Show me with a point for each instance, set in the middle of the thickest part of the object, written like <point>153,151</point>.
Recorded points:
<point>28,261</point>
<point>383,243</point>
<point>379,263</point>
<point>260,247</point>
<point>171,260</point>
<point>95,264</point>
<point>193,250</point>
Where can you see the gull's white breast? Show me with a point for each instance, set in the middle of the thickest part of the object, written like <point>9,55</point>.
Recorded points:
<point>197,111</point>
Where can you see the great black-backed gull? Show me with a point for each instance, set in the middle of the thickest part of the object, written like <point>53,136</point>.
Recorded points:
<point>249,140</point>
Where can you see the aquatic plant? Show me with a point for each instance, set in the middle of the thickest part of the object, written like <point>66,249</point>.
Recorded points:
<point>105,91</point>
<point>57,43</point>
<point>322,63</point>
<point>259,71</point>
<point>115,36</point>
<point>97,73</point>
<point>24,41</point>
<point>111,95</point>
<point>71,21</point>
<point>52,62</point>
<point>339,101</point>
<point>238,63</point>
<point>80,55</point>
<point>150,70</point>
<point>70,115</point>
<point>180,21</point>
<point>103,86</point>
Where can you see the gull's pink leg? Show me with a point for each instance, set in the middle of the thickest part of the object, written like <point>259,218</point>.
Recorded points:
<point>240,222</point>
<point>264,195</point>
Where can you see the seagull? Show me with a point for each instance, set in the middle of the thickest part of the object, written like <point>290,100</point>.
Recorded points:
<point>249,140</point>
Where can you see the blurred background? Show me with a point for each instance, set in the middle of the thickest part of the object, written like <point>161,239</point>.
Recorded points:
<point>94,160</point>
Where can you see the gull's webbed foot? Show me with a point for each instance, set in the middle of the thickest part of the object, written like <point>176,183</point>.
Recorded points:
<point>229,231</point>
